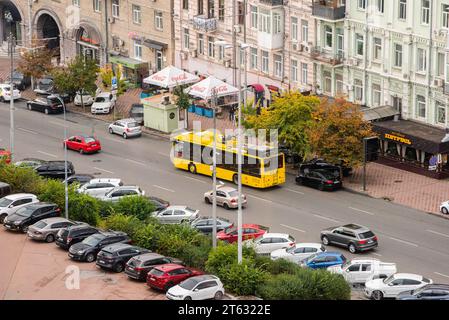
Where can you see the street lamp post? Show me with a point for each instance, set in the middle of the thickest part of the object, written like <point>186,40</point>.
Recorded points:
<point>11,101</point>
<point>214,172</point>
<point>66,187</point>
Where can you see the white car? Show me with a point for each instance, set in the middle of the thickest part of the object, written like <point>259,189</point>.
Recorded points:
<point>99,187</point>
<point>5,93</point>
<point>176,214</point>
<point>123,191</point>
<point>104,103</point>
<point>269,242</point>
<point>298,252</point>
<point>444,207</point>
<point>392,286</point>
<point>197,288</point>
<point>14,202</point>
<point>126,128</point>
<point>87,99</point>
<point>362,270</point>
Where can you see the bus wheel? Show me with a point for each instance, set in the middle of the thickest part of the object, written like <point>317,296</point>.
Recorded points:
<point>235,179</point>
<point>192,168</point>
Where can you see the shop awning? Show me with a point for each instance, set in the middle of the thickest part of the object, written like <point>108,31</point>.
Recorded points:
<point>171,77</point>
<point>379,113</point>
<point>273,88</point>
<point>126,61</point>
<point>257,87</point>
<point>155,44</point>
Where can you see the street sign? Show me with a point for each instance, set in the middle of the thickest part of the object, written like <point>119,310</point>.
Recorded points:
<point>114,82</point>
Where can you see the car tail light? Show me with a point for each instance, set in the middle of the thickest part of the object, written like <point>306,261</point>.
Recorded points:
<point>58,210</point>
<point>329,182</point>
<point>138,269</point>
<point>127,130</point>
<point>375,238</point>
<point>362,241</point>
<point>69,239</point>
<point>233,201</point>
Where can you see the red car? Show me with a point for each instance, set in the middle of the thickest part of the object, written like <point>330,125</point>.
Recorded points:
<point>5,154</point>
<point>250,231</point>
<point>83,144</point>
<point>165,276</point>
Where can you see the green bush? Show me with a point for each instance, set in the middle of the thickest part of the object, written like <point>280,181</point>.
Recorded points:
<point>54,191</point>
<point>105,208</point>
<point>225,255</point>
<point>139,207</point>
<point>21,179</point>
<point>276,266</point>
<point>195,255</point>
<point>83,207</point>
<point>242,279</point>
<point>128,224</point>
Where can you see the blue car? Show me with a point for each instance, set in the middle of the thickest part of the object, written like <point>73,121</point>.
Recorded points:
<point>323,260</point>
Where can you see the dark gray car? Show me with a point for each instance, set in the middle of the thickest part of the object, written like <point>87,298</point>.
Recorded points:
<point>205,224</point>
<point>352,236</point>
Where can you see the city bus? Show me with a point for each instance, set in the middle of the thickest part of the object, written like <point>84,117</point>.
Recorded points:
<point>262,167</point>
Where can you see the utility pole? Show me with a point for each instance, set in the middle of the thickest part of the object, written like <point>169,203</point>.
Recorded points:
<point>245,75</point>
<point>11,101</point>
<point>214,171</point>
<point>106,18</point>
<point>239,162</point>
<point>234,44</point>
<point>66,188</point>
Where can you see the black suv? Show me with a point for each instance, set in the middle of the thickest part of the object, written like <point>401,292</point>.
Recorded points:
<point>88,249</point>
<point>55,169</point>
<point>69,236</point>
<point>352,236</point>
<point>320,175</point>
<point>30,214</point>
<point>138,267</point>
<point>117,255</point>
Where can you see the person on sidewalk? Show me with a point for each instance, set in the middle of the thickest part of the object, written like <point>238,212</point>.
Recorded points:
<point>232,114</point>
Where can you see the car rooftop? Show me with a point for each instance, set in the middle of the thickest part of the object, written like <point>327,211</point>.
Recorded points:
<point>210,217</point>
<point>330,253</point>
<point>354,226</point>
<point>40,204</point>
<point>127,120</point>
<point>408,276</point>
<point>178,207</point>
<point>203,277</point>
<point>97,180</point>
<point>168,267</point>
<point>117,246</point>
<point>149,256</point>
<point>275,235</point>
<point>19,195</point>
<point>309,244</point>
<point>55,219</point>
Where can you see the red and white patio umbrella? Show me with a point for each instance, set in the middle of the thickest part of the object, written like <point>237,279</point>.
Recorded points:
<point>204,89</point>
<point>171,77</point>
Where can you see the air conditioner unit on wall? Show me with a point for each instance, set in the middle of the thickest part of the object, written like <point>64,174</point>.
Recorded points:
<point>111,19</point>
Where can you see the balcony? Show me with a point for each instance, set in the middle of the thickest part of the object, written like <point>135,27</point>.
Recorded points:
<point>205,24</point>
<point>326,56</point>
<point>328,9</point>
<point>272,2</point>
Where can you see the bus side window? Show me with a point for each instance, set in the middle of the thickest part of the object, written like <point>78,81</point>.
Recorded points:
<point>179,149</point>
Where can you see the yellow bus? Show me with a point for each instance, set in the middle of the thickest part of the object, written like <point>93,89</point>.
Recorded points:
<point>193,152</point>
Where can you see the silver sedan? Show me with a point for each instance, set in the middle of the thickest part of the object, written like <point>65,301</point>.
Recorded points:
<point>176,215</point>
<point>46,229</point>
<point>227,197</point>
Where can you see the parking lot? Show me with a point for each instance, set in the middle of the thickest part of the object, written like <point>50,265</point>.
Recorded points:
<point>35,270</point>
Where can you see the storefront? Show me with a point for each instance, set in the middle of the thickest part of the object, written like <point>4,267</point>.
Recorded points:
<point>132,70</point>
<point>413,146</point>
<point>88,44</point>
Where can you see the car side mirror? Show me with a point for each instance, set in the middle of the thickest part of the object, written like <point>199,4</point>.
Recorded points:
<point>195,290</point>
<point>10,206</point>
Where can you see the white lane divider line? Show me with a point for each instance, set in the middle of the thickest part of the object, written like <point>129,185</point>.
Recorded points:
<point>291,190</point>
<point>326,218</point>
<point>405,242</point>
<point>194,179</point>
<point>261,199</point>
<point>159,187</point>
<point>376,254</point>
<point>27,130</point>
<point>136,162</point>
<point>438,233</point>
<point>443,275</point>
<point>47,154</point>
<point>57,123</point>
<point>296,229</point>
<point>107,171</point>
<point>363,211</point>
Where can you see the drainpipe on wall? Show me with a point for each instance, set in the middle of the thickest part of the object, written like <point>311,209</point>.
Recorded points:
<point>429,68</point>
<point>365,65</point>
<point>106,58</point>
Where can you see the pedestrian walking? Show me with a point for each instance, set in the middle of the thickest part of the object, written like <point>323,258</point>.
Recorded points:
<point>232,114</point>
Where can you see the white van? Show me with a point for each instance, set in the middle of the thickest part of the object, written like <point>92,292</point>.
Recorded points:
<point>362,270</point>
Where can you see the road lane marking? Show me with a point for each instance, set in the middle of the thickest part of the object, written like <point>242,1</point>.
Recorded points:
<point>159,187</point>
<point>261,199</point>
<point>438,233</point>
<point>363,211</point>
<point>195,179</point>
<point>136,162</point>
<point>291,190</point>
<point>376,254</point>
<point>326,218</point>
<point>47,154</point>
<point>405,242</point>
<point>26,130</point>
<point>107,171</point>
<point>440,274</point>
<point>286,226</point>
<point>57,123</point>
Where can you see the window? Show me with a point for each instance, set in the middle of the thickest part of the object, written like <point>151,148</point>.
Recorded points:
<point>186,38</point>
<point>354,267</point>
<point>254,59</point>
<point>358,90</point>
<point>221,10</point>
<point>137,14</point>
<point>305,31</point>
<point>445,15</point>
<point>397,55</point>
<point>200,7</point>
<point>97,5</point>
<point>361,4</point>
<point>294,70</point>
<point>422,60</point>
<point>185,4</point>
<point>137,50</point>
<point>339,83</point>
<point>265,61</point>
<point>377,54</point>
<point>425,11</point>
<point>441,113</point>
<point>254,17</point>
<point>116,8</point>
<point>403,9</point>
<point>277,28</point>
<point>421,106</point>
<point>158,22</point>
<point>221,53</point>
<point>278,65</point>
<point>211,8</point>
<point>327,82</point>
<point>264,21</point>
<point>304,73</point>
<point>366,267</point>
<point>200,43</point>
<point>76,3</point>
<point>294,29</point>
<point>328,35</point>
<point>380,6</point>
<point>376,94</point>
<point>359,44</point>
<point>211,47</point>
<point>441,62</point>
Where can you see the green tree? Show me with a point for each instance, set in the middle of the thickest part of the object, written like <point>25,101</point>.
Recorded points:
<point>183,102</point>
<point>139,207</point>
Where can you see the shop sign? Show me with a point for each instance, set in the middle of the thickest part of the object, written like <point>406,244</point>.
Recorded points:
<point>397,137</point>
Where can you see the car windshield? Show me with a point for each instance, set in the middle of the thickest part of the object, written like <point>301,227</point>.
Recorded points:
<point>156,272</point>
<point>25,212</point>
<point>291,249</point>
<point>189,210</point>
<point>4,202</point>
<point>100,99</point>
<point>346,264</point>
<point>311,257</point>
<point>230,230</point>
<point>89,140</point>
<point>6,88</point>
<point>387,280</point>
<point>188,284</point>
<point>40,224</point>
<point>93,240</point>
<point>46,81</point>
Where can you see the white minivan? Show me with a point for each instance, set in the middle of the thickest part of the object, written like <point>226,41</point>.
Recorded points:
<point>362,270</point>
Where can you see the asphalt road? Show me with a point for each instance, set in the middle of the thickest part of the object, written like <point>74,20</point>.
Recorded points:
<point>416,241</point>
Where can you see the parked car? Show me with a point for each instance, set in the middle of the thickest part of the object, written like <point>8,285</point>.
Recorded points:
<point>352,236</point>
<point>159,204</point>
<point>30,214</point>
<point>47,229</point>
<point>323,260</point>
<point>45,86</point>
<point>392,286</point>
<point>5,93</point>
<point>29,163</point>
<point>99,187</point>
<point>88,100</point>
<point>5,155</point>
<point>13,202</point>
<point>138,267</point>
<point>444,207</point>
<point>55,169</point>
<point>291,157</point>
<point>165,276</point>
<point>298,252</point>
<point>104,103</point>
<point>88,249</point>
<point>250,231</point>
<point>197,288</point>
<point>19,80</point>
<point>126,128</point>
<point>428,292</point>
<point>205,224</point>
<point>268,242</point>
<point>227,197</point>
<point>176,214</point>
<point>47,105</point>
<point>69,236</point>
<point>362,270</point>
<point>136,112</point>
<point>79,178</point>
<point>321,177</point>
<point>83,144</point>
<point>122,191</point>
<point>5,189</point>
<point>115,256</point>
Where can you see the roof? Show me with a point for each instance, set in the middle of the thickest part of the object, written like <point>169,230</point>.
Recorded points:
<point>203,277</point>
<point>99,180</point>
<point>177,207</point>
<point>127,120</point>
<point>309,244</point>
<point>355,227</point>
<point>337,254</point>
<point>20,195</point>
<point>408,276</point>
<point>379,113</point>
<point>149,256</point>
<point>55,219</point>
<point>275,235</point>
<point>117,246</point>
